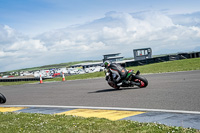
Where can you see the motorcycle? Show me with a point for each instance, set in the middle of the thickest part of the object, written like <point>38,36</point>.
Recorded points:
<point>134,79</point>
<point>2,99</point>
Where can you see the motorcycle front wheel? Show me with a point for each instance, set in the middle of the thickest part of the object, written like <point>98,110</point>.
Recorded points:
<point>112,84</point>
<point>2,98</point>
<point>142,80</point>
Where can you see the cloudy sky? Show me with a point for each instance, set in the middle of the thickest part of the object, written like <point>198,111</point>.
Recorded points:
<point>42,32</point>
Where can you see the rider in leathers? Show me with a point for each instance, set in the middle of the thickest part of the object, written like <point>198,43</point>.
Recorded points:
<point>118,72</point>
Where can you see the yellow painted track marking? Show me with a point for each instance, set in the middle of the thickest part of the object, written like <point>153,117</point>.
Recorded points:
<point>10,109</point>
<point>108,114</point>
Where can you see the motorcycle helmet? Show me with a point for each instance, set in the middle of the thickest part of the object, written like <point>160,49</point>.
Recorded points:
<point>106,63</point>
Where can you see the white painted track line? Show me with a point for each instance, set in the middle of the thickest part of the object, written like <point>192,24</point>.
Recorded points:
<point>107,108</point>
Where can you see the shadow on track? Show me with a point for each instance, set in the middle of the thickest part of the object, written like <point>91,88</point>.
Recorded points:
<point>112,89</point>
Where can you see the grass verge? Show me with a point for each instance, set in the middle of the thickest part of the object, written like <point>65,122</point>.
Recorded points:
<point>44,123</point>
<point>170,66</point>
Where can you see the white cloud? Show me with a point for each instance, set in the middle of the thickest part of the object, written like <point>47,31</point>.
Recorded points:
<point>2,53</point>
<point>191,19</point>
<point>27,45</point>
<point>116,32</point>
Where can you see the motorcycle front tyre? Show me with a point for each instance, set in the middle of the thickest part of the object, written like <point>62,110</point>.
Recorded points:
<point>143,81</point>
<point>112,84</point>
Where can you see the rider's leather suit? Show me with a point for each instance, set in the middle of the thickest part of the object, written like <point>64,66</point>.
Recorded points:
<point>118,72</point>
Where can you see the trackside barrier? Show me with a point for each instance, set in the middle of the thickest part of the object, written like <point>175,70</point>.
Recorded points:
<point>163,58</point>
<point>18,79</point>
<point>21,79</point>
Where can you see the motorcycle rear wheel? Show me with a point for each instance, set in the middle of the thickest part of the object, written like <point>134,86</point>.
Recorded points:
<point>2,99</point>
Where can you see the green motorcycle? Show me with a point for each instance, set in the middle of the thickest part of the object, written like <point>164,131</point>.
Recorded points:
<point>133,79</point>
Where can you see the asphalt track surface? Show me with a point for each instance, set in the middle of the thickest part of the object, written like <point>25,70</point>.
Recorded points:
<point>178,91</point>
<point>171,91</point>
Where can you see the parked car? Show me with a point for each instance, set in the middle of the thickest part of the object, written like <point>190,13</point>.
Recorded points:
<point>56,75</point>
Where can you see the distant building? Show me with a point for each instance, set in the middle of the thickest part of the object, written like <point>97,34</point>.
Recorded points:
<point>87,65</point>
<point>143,53</point>
<point>113,57</point>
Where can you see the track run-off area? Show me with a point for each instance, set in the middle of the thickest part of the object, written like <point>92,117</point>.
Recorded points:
<point>170,98</point>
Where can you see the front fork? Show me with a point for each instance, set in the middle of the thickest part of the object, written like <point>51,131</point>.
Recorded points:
<point>137,73</point>
<point>133,77</point>
<point>131,74</point>
<point>107,75</point>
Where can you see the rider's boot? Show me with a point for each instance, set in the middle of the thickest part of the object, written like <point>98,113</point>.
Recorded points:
<point>119,84</point>
<point>126,82</point>
<point>123,82</point>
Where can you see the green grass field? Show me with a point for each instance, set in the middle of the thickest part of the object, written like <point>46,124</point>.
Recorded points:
<point>170,66</point>
<point>23,122</point>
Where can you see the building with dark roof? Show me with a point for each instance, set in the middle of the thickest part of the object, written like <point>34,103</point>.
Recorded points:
<point>113,57</point>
